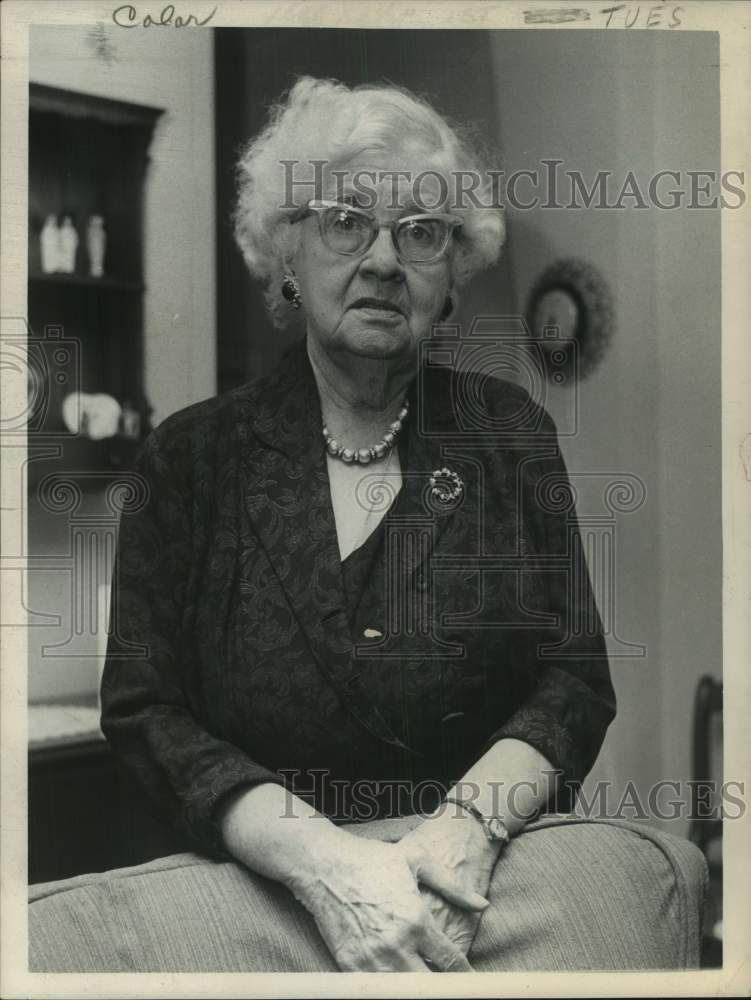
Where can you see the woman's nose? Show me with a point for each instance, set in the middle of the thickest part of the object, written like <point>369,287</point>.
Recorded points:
<point>381,258</point>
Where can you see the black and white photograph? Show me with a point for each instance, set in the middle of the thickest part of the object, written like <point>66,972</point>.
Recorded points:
<point>376,463</point>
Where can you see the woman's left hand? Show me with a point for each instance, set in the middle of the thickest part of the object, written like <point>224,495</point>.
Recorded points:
<point>456,840</point>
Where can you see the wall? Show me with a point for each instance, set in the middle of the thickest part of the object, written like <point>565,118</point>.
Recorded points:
<point>644,102</point>
<point>180,338</point>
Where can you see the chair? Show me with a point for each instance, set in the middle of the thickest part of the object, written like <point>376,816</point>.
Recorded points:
<point>567,895</point>
<point>706,826</point>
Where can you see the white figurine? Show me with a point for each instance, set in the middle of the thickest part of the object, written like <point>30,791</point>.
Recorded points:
<point>96,242</point>
<point>68,246</point>
<point>130,421</point>
<point>49,242</point>
<point>95,416</point>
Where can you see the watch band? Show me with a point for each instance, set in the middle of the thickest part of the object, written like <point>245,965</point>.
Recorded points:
<point>493,826</point>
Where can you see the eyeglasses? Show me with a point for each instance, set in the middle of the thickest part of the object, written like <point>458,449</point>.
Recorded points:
<point>348,230</point>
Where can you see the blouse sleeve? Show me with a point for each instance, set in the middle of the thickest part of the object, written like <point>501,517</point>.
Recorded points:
<point>181,767</point>
<point>572,701</point>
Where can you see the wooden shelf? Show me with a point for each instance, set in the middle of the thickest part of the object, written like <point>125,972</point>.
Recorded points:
<point>86,281</point>
<point>76,104</point>
<point>57,725</point>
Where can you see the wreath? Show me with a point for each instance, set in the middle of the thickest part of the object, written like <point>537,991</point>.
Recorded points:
<point>571,318</point>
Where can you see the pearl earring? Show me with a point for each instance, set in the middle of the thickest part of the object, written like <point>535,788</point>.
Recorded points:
<point>448,308</point>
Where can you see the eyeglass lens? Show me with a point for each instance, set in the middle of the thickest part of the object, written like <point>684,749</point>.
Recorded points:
<point>353,232</point>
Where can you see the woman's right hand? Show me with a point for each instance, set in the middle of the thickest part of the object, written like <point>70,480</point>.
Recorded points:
<point>366,902</point>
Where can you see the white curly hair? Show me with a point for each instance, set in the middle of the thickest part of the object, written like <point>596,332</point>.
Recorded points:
<point>329,122</point>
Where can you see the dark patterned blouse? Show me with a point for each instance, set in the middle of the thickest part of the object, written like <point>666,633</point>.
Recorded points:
<point>245,651</point>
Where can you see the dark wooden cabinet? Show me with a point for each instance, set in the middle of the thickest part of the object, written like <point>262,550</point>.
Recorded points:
<point>86,816</point>
<point>88,156</point>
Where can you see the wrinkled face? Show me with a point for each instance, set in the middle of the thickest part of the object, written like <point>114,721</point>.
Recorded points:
<point>371,304</point>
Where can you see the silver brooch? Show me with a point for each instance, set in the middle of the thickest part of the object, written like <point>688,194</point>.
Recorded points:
<point>446,486</point>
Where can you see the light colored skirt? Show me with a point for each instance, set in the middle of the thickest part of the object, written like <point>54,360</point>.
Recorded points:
<point>567,894</point>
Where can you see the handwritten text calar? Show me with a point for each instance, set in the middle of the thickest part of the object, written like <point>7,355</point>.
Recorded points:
<point>127,16</point>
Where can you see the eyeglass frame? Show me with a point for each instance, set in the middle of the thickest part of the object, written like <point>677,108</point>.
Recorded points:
<point>319,205</point>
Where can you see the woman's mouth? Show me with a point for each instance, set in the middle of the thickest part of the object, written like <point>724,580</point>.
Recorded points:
<point>383,305</point>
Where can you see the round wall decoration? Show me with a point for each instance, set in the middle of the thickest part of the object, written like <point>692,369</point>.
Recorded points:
<point>571,316</point>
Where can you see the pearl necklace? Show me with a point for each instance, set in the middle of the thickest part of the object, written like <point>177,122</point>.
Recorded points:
<point>365,455</point>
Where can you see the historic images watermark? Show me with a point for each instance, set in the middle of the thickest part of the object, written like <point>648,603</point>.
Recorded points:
<point>52,365</point>
<point>550,186</point>
<point>665,800</point>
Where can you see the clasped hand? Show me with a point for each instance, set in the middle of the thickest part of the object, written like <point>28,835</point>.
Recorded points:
<point>369,908</point>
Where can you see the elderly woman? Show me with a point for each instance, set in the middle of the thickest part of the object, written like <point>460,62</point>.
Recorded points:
<point>347,594</point>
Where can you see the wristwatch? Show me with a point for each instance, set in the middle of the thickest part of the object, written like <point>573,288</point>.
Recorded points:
<point>493,826</point>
